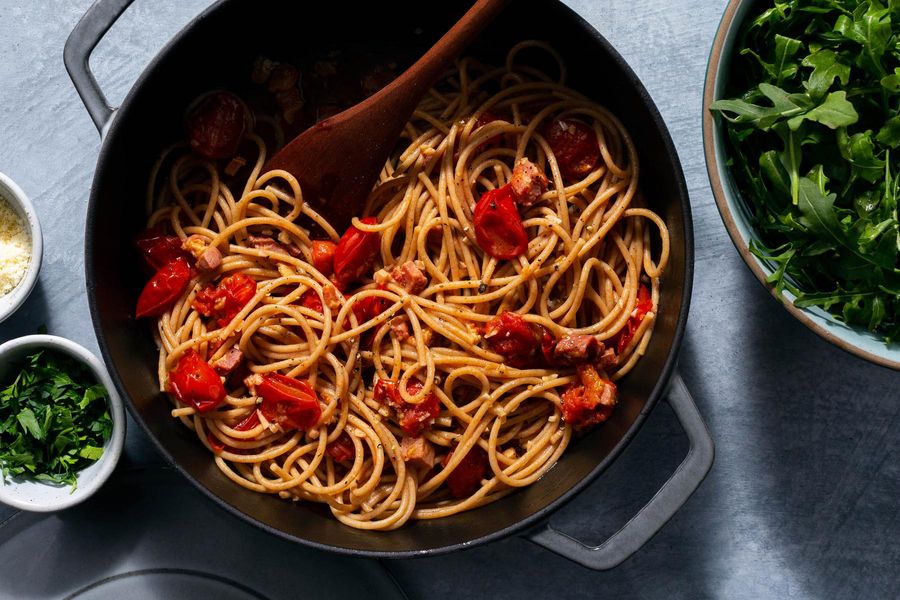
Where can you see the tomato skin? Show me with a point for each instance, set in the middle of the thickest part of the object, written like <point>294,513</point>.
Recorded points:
<point>158,249</point>
<point>370,307</point>
<point>216,125</point>
<point>413,418</point>
<point>196,384</point>
<point>498,226</point>
<point>342,448</point>
<point>591,402</point>
<point>215,443</point>
<point>163,289</point>
<point>322,256</point>
<point>482,120</point>
<point>291,403</point>
<point>575,147</point>
<point>249,422</point>
<point>310,299</point>
<point>643,305</point>
<point>466,477</point>
<point>548,345</point>
<point>226,300</point>
<point>511,336</point>
<point>355,253</point>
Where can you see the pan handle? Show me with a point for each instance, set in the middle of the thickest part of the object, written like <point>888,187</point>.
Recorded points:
<point>81,43</point>
<point>667,501</point>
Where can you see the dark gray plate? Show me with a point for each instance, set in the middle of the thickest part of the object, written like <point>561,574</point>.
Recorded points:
<point>120,544</point>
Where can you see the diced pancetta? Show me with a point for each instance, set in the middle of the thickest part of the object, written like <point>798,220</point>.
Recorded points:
<point>417,452</point>
<point>528,182</point>
<point>410,277</point>
<point>577,349</point>
<point>229,361</point>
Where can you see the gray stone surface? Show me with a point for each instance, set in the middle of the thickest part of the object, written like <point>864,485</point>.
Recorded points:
<point>803,499</point>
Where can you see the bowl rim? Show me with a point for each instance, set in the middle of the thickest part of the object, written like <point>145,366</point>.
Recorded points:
<point>19,202</point>
<point>716,180</point>
<point>112,450</point>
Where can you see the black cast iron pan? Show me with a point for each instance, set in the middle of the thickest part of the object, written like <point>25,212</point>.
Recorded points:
<point>216,51</point>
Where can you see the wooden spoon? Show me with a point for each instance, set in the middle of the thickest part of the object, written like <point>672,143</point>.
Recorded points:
<point>338,159</point>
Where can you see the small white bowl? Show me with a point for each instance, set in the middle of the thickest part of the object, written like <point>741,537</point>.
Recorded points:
<point>36,496</point>
<point>19,202</point>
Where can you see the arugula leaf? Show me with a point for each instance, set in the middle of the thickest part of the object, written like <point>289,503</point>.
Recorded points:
<point>813,119</point>
<point>835,111</point>
<point>827,67</point>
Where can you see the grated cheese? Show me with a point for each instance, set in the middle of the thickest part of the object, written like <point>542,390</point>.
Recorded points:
<point>15,248</point>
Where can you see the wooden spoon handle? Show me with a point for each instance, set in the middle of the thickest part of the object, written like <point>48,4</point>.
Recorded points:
<point>419,77</point>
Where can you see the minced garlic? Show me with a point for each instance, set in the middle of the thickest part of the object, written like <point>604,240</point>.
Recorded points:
<point>15,248</point>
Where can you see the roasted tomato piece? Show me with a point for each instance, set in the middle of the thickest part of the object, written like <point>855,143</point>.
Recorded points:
<point>591,402</point>
<point>248,423</point>
<point>548,345</point>
<point>290,402</point>
<point>224,301</point>
<point>413,418</point>
<point>216,125</point>
<point>370,307</point>
<point>215,443</point>
<point>482,120</point>
<point>342,448</point>
<point>164,289</point>
<point>322,256</point>
<point>498,226</point>
<point>356,252</point>
<point>158,249</point>
<point>514,338</point>
<point>643,306</point>
<point>196,384</point>
<point>575,147</point>
<point>311,300</point>
<point>466,477</point>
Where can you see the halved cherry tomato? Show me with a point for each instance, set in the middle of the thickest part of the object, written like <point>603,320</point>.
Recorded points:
<point>466,477</point>
<point>355,253</point>
<point>482,120</point>
<point>498,226</point>
<point>249,422</point>
<point>225,300</point>
<point>215,443</point>
<point>413,418</point>
<point>164,289</point>
<point>643,305</point>
<point>291,403</point>
<point>159,249</point>
<point>548,345</point>
<point>310,299</point>
<point>216,125</point>
<point>575,147</point>
<point>342,448</point>
<point>196,384</point>
<point>590,403</point>
<point>513,337</point>
<point>371,306</point>
<point>322,255</point>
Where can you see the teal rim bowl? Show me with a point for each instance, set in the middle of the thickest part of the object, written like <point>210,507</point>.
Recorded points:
<point>732,208</point>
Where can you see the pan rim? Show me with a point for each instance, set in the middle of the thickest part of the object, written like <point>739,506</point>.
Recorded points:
<point>539,516</point>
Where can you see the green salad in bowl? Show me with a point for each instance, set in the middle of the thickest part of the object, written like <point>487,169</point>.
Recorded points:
<point>802,133</point>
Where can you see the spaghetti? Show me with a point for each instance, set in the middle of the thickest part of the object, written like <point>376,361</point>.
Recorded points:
<point>430,396</point>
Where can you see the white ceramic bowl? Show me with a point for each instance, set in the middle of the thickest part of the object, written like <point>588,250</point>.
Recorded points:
<point>42,497</point>
<point>19,202</point>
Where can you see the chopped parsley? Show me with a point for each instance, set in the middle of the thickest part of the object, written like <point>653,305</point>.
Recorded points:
<point>54,419</point>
